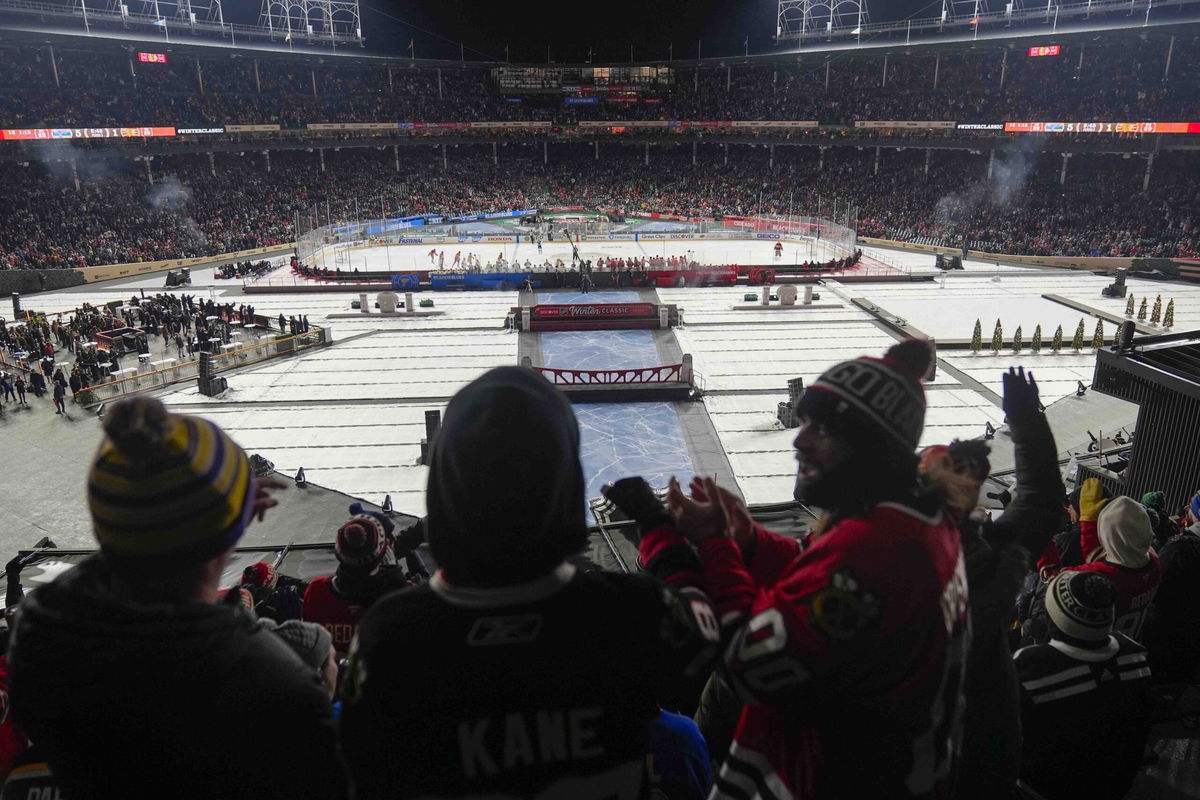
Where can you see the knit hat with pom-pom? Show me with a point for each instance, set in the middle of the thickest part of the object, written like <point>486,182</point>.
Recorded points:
<point>167,489</point>
<point>874,398</point>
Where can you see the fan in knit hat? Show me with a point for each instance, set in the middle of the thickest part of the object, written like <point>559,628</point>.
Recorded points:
<point>1081,605</point>
<point>362,542</point>
<point>308,640</point>
<point>167,489</point>
<point>874,401</point>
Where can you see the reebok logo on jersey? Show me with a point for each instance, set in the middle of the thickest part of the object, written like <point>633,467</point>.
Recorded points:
<point>519,629</point>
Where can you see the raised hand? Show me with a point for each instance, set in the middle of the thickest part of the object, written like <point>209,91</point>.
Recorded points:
<point>1020,394</point>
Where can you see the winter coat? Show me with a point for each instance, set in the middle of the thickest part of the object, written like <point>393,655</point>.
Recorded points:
<point>1172,633</point>
<point>997,559</point>
<point>130,699</point>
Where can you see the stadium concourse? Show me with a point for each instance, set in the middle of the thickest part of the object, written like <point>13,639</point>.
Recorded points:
<point>352,414</point>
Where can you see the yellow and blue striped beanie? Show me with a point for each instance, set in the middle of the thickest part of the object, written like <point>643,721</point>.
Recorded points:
<point>167,488</point>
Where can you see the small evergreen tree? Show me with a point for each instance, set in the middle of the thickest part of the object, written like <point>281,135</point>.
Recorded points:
<point>1169,317</point>
<point>1098,335</point>
<point>1156,314</point>
<point>1056,342</point>
<point>1129,306</point>
<point>1017,340</point>
<point>1142,311</point>
<point>977,338</point>
<point>1036,344</point>
<point>997,338</point>
<point>1077,340</point>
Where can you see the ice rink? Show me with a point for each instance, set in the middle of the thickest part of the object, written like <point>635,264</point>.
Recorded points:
<point>352,414</point>
<point>714,251</point>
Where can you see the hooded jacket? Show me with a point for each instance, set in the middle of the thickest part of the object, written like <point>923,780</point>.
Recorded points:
<point>1170,634</point>
<point>1125,532</point>
<point>1126,558</point>
<point>127,699</point>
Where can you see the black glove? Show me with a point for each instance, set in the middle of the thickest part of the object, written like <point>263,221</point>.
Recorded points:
<point>1020,395</point>
<point>638,501</point>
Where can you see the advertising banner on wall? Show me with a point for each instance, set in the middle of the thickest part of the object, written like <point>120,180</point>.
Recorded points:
<point>904,123</point>
<point>1102,127</point>
<point>593,316</point>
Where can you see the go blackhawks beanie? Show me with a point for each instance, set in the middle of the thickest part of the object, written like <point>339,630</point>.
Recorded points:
<point>869,399</point>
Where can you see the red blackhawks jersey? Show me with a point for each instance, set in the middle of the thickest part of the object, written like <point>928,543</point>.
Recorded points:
<point>338,616</point>
<point>851,661</point>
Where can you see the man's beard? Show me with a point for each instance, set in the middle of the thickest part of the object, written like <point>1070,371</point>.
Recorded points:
<point>839,487</point>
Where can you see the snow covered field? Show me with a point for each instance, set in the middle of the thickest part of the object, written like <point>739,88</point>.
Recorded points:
<point>353,414</point>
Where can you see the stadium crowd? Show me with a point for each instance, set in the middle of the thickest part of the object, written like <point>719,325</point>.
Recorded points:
<point>909,645</point>
<point>195,210</point>
<point>1111,80</point>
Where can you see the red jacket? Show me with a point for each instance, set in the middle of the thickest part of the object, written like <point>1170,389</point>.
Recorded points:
<point>1135,586</point>
<point>851,662</point>
<point>337,615</point>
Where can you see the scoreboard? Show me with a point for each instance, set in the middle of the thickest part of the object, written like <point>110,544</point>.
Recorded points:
<point>1045,50</point>
<point>152,58</point>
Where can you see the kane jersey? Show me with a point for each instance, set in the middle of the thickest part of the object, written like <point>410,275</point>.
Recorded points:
<point>544,689</point>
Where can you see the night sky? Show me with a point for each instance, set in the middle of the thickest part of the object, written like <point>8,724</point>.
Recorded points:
<point>571,29</point>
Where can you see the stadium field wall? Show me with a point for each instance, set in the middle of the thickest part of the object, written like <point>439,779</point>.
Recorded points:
<point>1067,262</point>
<point>25,281</point>
<point>106,273</point>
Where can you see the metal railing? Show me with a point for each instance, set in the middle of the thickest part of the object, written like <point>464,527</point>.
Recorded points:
<point>671,373</point>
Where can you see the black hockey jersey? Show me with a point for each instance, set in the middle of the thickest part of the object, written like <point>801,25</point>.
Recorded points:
<point>1085,715</point>
<point>543,689</point>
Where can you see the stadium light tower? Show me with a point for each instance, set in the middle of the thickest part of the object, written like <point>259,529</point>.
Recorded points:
<point>332,21</point>
<point>803,19</point>
<point>176,13</point>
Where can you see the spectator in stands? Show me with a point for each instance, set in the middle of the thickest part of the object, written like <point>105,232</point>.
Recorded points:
<point>852,662</point>
<point>313,644</point>
<point>997,555</point>
<point>1160,521</point>
<point>1085,696</point>
<point>363,547</point>
<point>678,765</point>
<point>1115,538</point>
<point>523,679</point>
<point>124,670</point>
<point>1173,630</point>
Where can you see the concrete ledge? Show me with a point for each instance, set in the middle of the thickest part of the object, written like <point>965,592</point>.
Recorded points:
<point>1104,315</point>
<point>1091,263</point>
